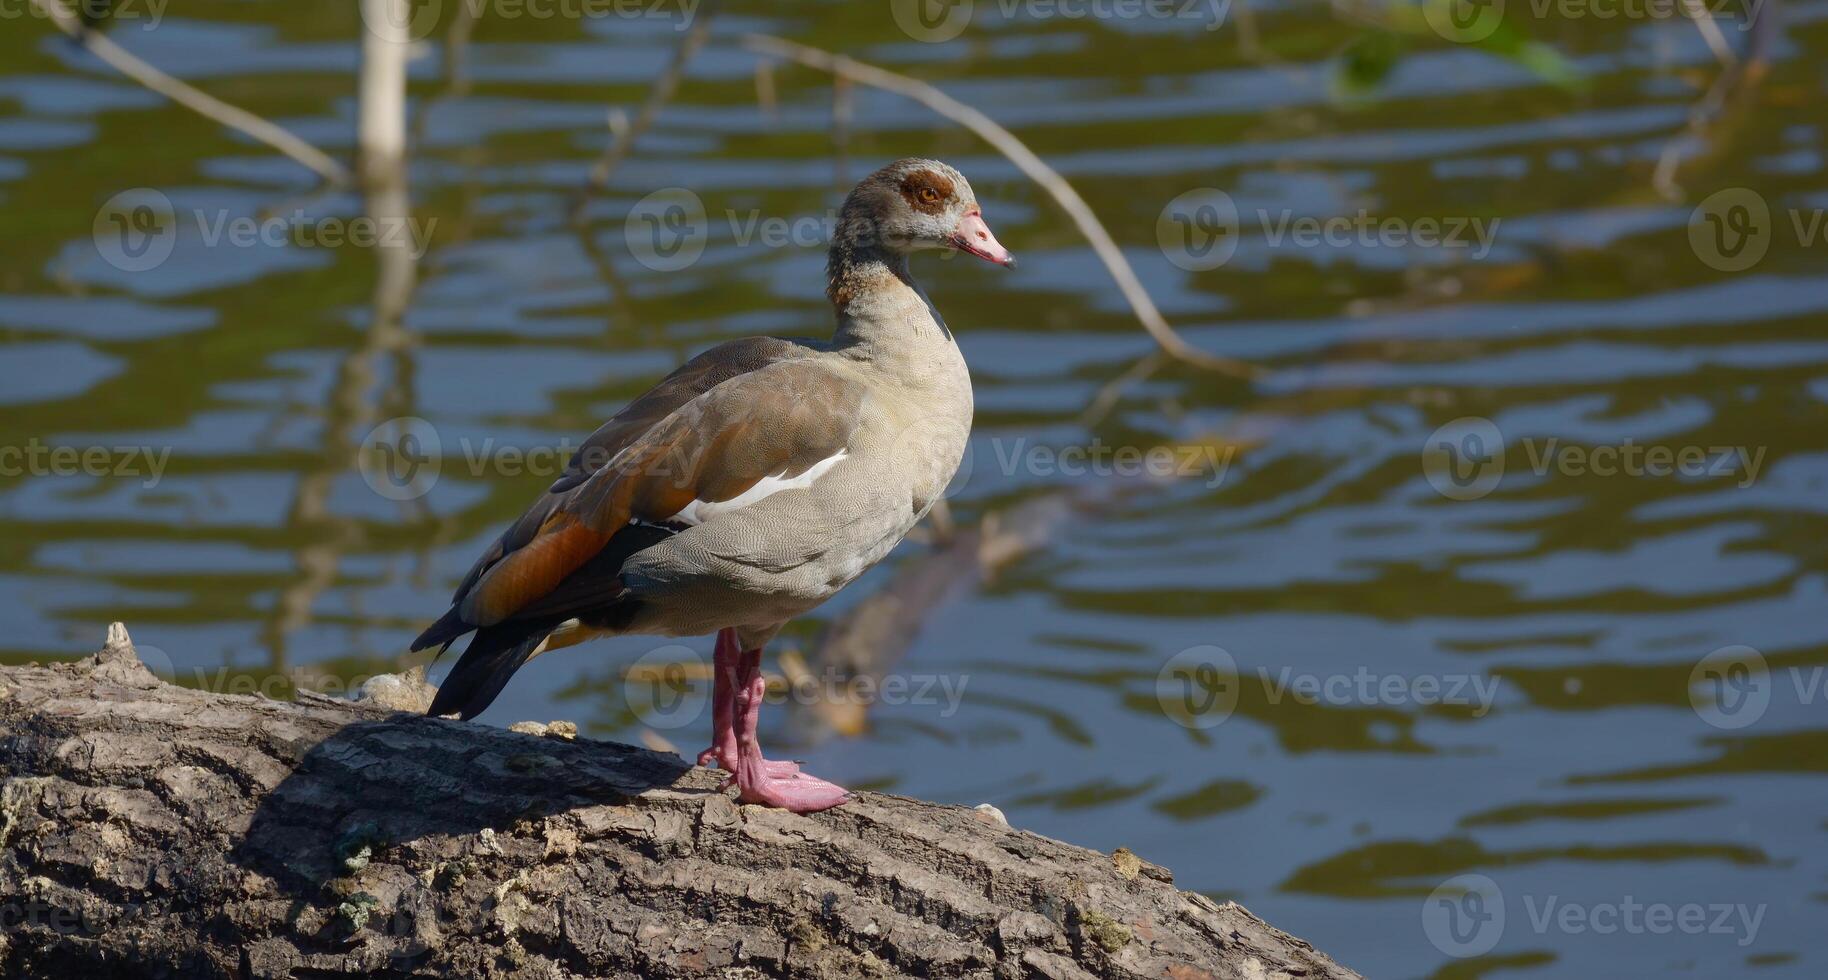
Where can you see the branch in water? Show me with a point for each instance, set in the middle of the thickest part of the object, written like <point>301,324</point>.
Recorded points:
<point>197,101</point>
<point>657,98</point>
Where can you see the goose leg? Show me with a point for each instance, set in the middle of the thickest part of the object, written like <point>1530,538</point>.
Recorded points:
<point>760,780</point>
<point>726,664</point>
<point>733,669</point>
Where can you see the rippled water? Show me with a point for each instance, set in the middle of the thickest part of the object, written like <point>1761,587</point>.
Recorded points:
<point>1590,758</point>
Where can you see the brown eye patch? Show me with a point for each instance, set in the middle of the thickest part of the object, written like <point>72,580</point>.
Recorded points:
<point>926,191</point>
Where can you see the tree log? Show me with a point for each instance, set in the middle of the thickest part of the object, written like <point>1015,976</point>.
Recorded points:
<point>150,830</point>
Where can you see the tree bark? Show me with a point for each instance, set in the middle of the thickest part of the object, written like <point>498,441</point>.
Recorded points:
<point>149,830</point>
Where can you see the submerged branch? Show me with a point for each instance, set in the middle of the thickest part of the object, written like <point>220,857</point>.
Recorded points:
<point>197,101</point>
<point>623,140</point>
<point>1738,77</point>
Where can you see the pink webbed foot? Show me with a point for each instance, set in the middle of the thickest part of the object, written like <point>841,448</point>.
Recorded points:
<point>797,794</point>
<point>778,768</point>
<point>773,783</point>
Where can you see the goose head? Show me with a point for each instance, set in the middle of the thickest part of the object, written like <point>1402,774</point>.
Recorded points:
<point>913,205</point>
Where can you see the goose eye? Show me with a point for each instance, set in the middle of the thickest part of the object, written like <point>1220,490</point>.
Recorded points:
<point>928,195</point>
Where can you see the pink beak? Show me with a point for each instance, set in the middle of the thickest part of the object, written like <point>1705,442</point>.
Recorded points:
<point>974,238</point>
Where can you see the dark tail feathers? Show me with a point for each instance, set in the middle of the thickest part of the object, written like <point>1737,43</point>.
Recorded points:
<point>493,656</point>
<point>446,630</point>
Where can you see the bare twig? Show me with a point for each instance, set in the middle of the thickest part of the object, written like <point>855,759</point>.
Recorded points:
<point>1663,179</point>
<point>1710,32</point>
<point>617,120</point>
<point>657,98</point>
<point>381,126</point>
<point>457,49</point>
<point>1037,170</point>
<point>623,317</point>
<point>843,109</point>
<point>1250,39</point>
<point>456,64</point>
<point>1738,76</point>
<point>193,99</point>
<point>381,112</point>
<point>1106,399</point>
<point>764,88</point>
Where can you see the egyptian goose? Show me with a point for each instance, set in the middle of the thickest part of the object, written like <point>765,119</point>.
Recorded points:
<point>748,486</point>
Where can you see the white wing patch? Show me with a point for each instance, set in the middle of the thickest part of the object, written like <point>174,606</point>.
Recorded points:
<point>699,511</point>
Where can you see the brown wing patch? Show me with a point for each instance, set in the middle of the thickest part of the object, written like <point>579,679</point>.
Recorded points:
<point>562,545</point>
<point>780,420</point>
<point>690,380</point>
<point>926,191</point>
